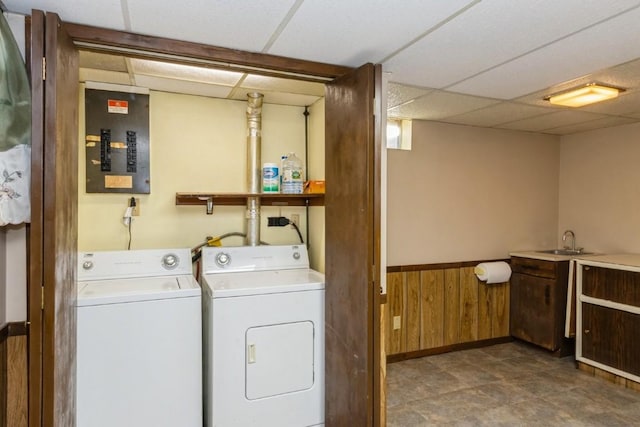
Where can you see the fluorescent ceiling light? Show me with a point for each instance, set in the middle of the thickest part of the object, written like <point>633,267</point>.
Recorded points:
<point>185,72</point>
<point>584,95</point>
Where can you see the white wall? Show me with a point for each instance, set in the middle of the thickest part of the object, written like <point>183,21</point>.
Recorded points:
<point>13,274</point>
<point>16,273</point>
<point>316,171</point>
<point>600,189</point>
<point>13,268</point>
<point>465,193</point>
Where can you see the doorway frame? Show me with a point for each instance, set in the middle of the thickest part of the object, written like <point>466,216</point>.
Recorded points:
<point>150,47</point>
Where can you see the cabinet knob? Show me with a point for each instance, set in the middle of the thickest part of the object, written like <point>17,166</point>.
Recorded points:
<point>586,331</point>
<point>586,267</point>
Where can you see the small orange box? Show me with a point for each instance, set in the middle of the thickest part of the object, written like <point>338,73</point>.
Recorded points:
<point>314,187</point>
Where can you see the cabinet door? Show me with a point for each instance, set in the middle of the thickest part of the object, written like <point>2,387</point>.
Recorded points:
<point>610,337</point>
<point>533,306</point>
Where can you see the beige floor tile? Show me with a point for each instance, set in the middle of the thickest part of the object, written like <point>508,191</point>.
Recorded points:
<point>513,384</point>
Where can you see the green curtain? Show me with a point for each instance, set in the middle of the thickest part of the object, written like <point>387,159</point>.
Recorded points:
<point>15,131</point>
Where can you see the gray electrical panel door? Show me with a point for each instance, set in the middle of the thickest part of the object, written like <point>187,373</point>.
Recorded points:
<point>117,142</point>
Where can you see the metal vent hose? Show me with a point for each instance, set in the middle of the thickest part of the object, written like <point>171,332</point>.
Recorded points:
<point>254,170</point>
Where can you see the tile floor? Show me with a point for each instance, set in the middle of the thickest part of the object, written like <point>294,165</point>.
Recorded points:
<point>511,384</point>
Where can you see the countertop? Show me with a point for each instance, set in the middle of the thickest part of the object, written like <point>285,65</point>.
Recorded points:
<point>632,261</point>
<point>543,256</point>
<point>618,261</point>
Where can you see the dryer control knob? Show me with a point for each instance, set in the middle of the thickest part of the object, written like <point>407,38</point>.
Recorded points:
<point>296,255</point>
<point>223,259</point>
<point>170,261</point>
<point>87,265</point>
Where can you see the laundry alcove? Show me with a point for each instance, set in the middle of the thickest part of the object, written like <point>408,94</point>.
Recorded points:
<point>352,205</point>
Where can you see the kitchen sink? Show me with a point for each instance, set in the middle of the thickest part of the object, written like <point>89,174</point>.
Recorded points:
<point>565,252</point>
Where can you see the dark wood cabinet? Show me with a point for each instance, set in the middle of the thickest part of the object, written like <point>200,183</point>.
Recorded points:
<point>538,299</point>
<point>610,319</point>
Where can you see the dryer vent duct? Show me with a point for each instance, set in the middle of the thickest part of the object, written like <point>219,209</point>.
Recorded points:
<point>254,171</point>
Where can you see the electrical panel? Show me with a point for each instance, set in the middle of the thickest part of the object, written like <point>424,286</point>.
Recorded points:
<point>117,142</point>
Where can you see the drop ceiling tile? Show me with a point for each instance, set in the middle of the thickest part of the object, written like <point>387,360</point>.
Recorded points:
<point>170,70</point>
<point>113,77</point>
<point>398,94</point>
<point>238,24</point>
<point>357,31</point>
<point>552,120</point>
<point>591,125</point>
<point>275,84</point>
<point>103,13</point>
<point>626,103</point>
<point>625,75</point>
<point>493,115</point>
<point>182,86</point>
<point>593,49</point>
<point>439,104</point>
<point>491,33</point>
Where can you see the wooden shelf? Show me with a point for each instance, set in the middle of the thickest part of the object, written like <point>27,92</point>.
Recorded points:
<point>240,199</point>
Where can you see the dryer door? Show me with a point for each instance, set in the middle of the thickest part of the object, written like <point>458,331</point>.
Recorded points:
<point>279,359</point>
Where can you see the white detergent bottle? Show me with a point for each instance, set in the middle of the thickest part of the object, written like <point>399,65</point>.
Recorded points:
<point>292,174</point>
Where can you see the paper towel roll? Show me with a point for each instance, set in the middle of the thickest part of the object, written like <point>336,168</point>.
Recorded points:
<point>493,272</point>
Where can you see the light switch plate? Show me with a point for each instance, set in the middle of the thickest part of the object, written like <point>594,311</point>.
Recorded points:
<point>397,322</point>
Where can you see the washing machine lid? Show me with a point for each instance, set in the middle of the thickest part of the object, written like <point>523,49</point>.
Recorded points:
<point>115,291</point>
<point>263,282</point>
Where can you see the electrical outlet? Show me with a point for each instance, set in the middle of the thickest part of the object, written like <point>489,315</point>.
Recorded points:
<point>295,218</point>
<point>397,322</point>
<point>136,208</point>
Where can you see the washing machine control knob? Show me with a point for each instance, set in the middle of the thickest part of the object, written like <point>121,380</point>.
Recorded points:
<point>296,255</point>
<point>223,259</point>
<point>87,265</point>
<point>170,261</point>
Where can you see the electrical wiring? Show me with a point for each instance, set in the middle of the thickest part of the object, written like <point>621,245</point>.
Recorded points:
<point>281,221</point>
<point>129,244</point>
<point>298,230</point>
<point>127,219</point>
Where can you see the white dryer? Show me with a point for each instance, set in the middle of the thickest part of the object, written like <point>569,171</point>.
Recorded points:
<point>263,337</point>
<point>139,347</point>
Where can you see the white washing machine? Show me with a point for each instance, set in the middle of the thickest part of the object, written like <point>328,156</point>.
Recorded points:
<point>263,337</point>
<point>139,347</point>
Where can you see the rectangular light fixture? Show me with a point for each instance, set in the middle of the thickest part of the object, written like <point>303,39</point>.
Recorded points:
<point>584,95</point>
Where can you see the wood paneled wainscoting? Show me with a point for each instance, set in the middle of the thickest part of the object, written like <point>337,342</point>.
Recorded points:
<point>435,308</point>
<point>13,375</point>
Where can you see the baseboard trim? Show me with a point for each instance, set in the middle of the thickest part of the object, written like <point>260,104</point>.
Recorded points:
<point>447,348</point>
<point>12,329</point>
<point>608,376</point>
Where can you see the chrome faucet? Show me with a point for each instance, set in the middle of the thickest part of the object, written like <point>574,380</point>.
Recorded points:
<point>573,240</point>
